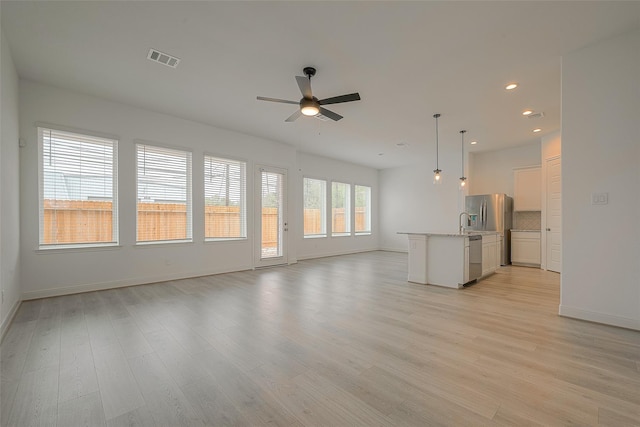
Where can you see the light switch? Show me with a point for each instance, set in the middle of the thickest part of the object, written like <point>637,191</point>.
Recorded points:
<point>599,198</point>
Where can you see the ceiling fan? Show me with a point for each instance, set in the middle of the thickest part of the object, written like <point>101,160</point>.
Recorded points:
<point>309,104</point>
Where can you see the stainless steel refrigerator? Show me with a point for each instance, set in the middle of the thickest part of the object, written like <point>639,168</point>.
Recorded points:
<point>492,212</point>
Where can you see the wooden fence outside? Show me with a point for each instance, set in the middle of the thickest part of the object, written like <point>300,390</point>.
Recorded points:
<point>79,221</point>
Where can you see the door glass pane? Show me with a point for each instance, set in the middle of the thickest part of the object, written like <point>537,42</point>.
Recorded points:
<point>272,224</point>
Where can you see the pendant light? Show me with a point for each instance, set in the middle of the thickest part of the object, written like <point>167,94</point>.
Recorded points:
<point>437,178</point>
<point>463,179</point>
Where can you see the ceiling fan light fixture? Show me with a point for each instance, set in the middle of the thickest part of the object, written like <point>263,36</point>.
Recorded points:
<point>310,110</point>
<point>311,106</point>
<point>308,107</point>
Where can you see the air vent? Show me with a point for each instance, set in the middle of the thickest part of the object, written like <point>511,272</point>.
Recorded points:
<point>163,58</point>
<point>536,115</point>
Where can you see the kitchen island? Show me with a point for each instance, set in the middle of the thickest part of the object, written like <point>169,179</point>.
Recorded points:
<point>443,259</point>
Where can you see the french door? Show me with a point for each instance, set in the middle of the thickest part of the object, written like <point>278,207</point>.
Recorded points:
<point>271,216</point>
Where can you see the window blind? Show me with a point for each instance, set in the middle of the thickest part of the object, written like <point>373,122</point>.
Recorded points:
<point>225,214</point>
<point>78,189</point>
<point>340,209</point>
<point>164,194</point>
<point>315,207</point>
<point>363,209</point>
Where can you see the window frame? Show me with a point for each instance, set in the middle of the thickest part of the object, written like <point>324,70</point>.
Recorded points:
<point>369,209</point>
<point>115,230</point>
<point>323,210</point>
<point>189,192</point>
<point>244,199</point>
<point>348,214</point>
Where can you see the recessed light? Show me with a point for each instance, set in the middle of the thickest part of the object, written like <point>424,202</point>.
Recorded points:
<point>536,115</point>
<point>402,144</point>
<point>474,142</point>
<point>527,112</point>
<point>537,130</point>
<point>511,86</point>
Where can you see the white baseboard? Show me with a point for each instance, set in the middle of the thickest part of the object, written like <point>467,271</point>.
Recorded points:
<point>7,321</point>
<point>592,316</point>
<point>402,250</point>
<point>328,254</point>
<point>101,286</point>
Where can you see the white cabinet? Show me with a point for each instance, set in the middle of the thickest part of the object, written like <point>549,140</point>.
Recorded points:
<point>527,189</point>
<point>525,248</point>
<point>490,258</point>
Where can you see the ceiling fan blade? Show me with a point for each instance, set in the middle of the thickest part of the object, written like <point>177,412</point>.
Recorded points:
<point>342,98</point>
<point>330,114</point>
<point>284,101</point>
<point>294,116</point>
<point>304,83</point>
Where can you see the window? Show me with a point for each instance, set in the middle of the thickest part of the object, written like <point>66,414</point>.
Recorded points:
<point>78,189</point>
<point>164,194</point>
<point>340,209</point>
<point>363,209</point>
<point>315,207</point>
<point>225,214</point>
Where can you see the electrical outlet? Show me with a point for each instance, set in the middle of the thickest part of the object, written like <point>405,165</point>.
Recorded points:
<point>599,198</point>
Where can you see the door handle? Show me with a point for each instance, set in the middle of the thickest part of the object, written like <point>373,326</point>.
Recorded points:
<point>548,229</point>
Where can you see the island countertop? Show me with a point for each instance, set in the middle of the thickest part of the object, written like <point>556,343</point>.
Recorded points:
<point>465,234</point>
<point>446,259</point>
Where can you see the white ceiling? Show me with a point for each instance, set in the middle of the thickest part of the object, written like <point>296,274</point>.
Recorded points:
<point>407,61</point>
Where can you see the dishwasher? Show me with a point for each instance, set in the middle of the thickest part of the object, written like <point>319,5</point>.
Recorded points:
<point>475,257</point>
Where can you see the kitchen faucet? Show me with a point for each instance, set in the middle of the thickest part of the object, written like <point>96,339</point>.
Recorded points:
<point>460,221</point>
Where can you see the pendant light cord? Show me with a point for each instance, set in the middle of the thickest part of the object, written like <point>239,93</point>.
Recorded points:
<point>462,132</point>
<point>437,147</point>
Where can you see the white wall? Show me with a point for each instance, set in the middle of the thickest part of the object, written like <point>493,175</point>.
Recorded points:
<point>601,153</point>
<point>409,201</point>
<point>311,166</point>
<point>551,146</point>
<point>492,171</point>
<point>62,271</point>
<point>9,188</point>
<point>54,272</point>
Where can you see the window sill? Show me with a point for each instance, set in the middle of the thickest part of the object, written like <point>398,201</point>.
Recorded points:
<point>163,243</point>
<point>76,248</point>
<point>225,240</point>
<point>341,235</point>
<point>363,233</point>
<point>316,236</point>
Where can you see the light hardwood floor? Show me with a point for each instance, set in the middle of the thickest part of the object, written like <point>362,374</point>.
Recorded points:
<point>339,341</point>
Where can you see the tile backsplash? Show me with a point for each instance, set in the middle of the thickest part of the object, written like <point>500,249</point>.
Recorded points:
<point>527,220</point>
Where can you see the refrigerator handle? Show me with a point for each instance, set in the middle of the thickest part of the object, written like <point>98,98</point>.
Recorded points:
<point>484,216</point>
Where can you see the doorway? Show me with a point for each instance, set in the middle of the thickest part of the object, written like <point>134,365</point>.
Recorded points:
<point>270,216</point>
<point>553,215</point>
